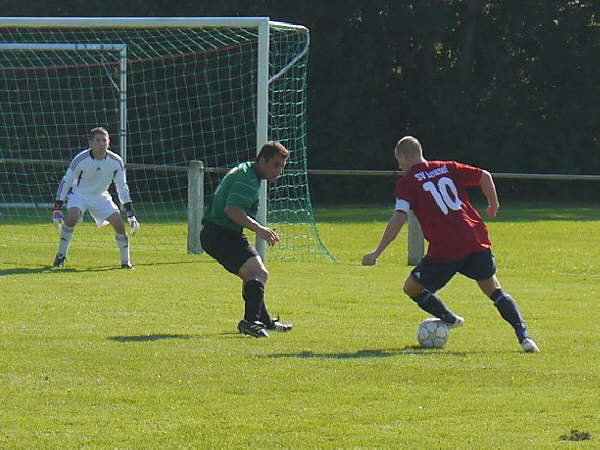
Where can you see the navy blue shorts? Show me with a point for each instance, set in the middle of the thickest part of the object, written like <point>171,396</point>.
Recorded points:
<point>476,266</point>
<point>229,247</point>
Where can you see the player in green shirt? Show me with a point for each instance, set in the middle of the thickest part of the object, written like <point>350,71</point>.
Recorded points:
<point>232,208</point>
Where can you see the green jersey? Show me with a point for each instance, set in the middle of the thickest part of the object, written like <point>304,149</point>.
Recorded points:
<point>239,187</point>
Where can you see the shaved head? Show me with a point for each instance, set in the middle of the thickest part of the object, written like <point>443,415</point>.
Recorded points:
<point>410,147</point>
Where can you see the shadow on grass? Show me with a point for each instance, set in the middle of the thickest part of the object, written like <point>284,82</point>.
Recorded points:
<point>161,337</point>
<point>377,353</point>
<point>29,271</point>
<point>50,269</point>
<point>149,337</point>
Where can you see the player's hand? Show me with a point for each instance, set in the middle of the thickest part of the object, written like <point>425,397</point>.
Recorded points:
<point>370,259</point>
<point>58,219</point>
<point>268,235</point>
<point>134,224</point>
<point>492,210</point>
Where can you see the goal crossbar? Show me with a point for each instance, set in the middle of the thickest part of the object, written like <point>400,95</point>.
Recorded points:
<point>137,22</point>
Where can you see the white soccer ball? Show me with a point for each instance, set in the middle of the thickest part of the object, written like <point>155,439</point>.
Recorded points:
<point>432,333</point>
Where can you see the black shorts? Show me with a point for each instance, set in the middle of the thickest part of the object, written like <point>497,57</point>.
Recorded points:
<point>230,248</point>
<point>477,266</point>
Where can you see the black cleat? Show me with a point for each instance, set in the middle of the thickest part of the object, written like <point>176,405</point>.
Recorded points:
<point>277,325</point>
<point>59,261</point>
<point>127,266</point>
<point>256,328</point>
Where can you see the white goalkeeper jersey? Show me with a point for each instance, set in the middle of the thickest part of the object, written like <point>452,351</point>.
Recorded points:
<point>87,175</point>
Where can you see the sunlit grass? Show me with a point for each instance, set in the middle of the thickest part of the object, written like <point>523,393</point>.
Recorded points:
<point>94,356</point>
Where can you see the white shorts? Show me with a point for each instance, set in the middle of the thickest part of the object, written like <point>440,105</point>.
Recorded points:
<point>100,206</point>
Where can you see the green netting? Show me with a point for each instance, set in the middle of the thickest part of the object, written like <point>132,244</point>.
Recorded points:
<point>191,95</point>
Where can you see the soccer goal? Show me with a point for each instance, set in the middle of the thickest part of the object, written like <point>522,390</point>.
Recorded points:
<point>171,91</point>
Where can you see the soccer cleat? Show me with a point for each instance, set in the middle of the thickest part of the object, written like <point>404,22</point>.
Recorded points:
<point>256,328</point>
<point>459,322</point>
<point>59,261</point>
<point>127,266</point>
<point>277,325</point>
<point>529,346</point>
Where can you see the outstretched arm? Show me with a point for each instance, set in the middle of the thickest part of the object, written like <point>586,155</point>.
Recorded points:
<point>389,234</point>
<point>489,191</point>
<point>239,216</point>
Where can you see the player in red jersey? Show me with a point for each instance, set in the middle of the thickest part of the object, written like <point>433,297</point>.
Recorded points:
<point>458,238</point>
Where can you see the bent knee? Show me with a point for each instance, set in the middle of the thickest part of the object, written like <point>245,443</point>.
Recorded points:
<point>263,275</point>
<point>254,269</point>
<point>72,219</point>
<point>412,288</point>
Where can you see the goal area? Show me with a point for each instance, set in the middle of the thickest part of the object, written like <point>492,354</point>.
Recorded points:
<point>173,93</point>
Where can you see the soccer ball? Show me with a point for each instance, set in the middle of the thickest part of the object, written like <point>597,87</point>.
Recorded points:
<point>432,333</point>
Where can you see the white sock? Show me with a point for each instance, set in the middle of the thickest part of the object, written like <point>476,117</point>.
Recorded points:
<point>66,234</point>
<point>123,244</point>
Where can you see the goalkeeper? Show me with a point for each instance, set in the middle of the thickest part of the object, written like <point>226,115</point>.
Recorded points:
<point>85,188</point>
<point>233,208</point>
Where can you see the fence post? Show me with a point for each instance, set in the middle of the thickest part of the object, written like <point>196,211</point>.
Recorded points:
<point>195,205</point>
<point>416,244</point>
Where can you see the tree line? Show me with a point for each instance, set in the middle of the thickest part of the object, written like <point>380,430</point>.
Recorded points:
<point>510,85</point>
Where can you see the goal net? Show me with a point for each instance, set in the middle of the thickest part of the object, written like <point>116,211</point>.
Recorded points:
<point>170,91</point>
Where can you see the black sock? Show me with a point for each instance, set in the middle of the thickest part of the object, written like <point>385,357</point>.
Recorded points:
<point>431,303</point>
<point>508,309</point>
<point>253,292</point>
<point>265,317</point>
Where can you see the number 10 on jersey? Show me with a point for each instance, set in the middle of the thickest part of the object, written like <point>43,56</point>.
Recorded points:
<point>445,194</point>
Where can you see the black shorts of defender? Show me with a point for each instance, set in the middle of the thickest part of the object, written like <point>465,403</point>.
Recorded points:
<point>476,266</point>
<point>230,248</point>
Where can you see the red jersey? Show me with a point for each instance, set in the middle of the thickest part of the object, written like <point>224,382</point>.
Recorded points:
<point>436,192</point>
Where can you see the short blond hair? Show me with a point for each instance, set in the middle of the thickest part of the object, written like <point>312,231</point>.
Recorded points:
<point>97,130</point>
<point>408,146</point>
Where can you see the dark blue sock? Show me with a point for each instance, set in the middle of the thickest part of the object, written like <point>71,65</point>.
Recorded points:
<point>434,305</point>
<point>508,309</point>
<point>521,333</point>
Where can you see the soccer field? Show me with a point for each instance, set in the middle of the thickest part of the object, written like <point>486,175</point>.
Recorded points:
<point>92,356</point>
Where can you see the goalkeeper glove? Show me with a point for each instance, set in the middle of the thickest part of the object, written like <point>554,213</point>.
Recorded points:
<point>131,219</point>
<point>58,219</point>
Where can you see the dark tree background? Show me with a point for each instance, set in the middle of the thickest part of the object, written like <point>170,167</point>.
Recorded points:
<point>510,85</point>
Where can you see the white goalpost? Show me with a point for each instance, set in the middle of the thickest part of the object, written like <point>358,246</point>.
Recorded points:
<point>171,91</point>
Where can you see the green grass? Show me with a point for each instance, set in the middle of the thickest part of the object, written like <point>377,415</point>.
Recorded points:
<point>91,356</point>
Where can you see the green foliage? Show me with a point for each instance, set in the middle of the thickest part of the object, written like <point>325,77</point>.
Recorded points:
<point>93,356</point>
<point>509,85</point>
